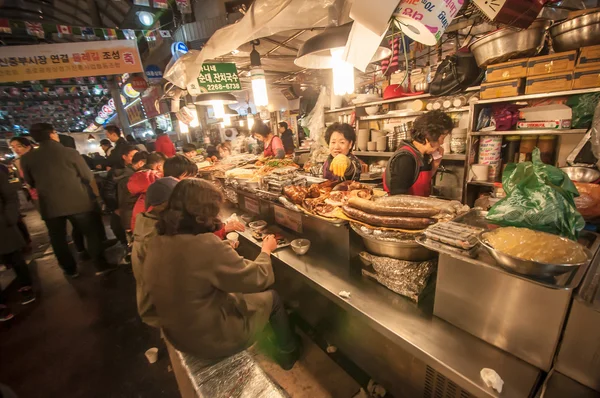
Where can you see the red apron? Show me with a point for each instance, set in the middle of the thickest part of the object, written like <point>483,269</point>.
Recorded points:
<point>422,184</point>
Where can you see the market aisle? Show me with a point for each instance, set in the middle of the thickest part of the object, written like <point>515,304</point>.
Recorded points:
<point>81,338</point>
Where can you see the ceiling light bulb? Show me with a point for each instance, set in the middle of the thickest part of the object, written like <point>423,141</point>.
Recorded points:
<point>226,120</point>
<point>343,73</point>
<point>250,121</point>
<point>259,87</point>
<point>218,109</point>
<point>146,18</point>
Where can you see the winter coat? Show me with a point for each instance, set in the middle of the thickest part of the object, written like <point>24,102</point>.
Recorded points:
<point>61,177</point>
<point>138,186</point>
<point>165,146</point>
<point>125,199</point>
<point>12,239</point>
<point>115,158</point>
<point>210,301</point>
<point>144,231</point>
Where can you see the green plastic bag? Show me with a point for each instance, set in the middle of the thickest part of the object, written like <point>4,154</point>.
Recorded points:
<point>538,196</point>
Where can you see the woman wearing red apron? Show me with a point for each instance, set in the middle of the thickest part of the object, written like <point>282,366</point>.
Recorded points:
<point>273,144</point>
<point>412,167</point>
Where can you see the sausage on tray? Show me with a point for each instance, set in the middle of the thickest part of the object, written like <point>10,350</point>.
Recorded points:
<point>398,210</point>
<point>387,221</point>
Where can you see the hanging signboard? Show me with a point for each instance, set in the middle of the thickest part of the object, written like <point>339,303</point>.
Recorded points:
<point>149,101</point>
<point>153,73</point>
<point>216,78</point>
<point>135,113</point>
<point>66,60</point>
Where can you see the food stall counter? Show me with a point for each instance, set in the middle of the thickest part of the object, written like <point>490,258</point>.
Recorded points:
<point>399,327</point>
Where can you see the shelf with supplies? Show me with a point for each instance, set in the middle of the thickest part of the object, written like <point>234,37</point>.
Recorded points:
<point>538,96</point>
<point>392,115</point>
<point>531,132</point>
<point>347,108</point>
<point>481,183</point>
<point>373,153</point>
<point>454,156</point>
<point>413,97</point>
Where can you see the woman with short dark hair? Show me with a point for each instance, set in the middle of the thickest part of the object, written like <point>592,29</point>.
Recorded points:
<point>412,167</point>
<point>210,301</point>
<point>341,163</point>
<point>273,145</point>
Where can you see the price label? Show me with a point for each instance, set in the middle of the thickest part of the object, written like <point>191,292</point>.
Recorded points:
<point>251,205</point>
<point>288,219</point>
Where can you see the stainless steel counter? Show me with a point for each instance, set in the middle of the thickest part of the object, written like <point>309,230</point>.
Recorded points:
<point>404,327</point>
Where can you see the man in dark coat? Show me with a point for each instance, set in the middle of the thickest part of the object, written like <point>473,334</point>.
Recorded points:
<point>287,137</point>
<point>12,242</point>
<point>66,188</point>
<point>115,159</point>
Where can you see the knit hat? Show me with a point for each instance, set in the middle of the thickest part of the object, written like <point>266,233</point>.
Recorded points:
<point>160,191</point>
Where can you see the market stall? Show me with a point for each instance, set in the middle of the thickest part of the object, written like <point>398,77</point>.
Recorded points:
<point>478,286</point>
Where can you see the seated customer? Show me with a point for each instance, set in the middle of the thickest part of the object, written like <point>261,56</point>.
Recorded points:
<point>210,301</point>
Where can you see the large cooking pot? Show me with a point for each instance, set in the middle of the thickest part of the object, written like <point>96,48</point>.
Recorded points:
<point>507,43</point>
<point>580,31</point>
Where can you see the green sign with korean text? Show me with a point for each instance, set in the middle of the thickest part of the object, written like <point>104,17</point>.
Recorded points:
<point>216,78</point>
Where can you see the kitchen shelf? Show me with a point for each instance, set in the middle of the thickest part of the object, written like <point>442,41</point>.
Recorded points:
<point>373,153</point>
<point>414,97</point>
<point>532,132</point>
<point>541,95</point>
<point>481,183</point>
<point>392,115</point>
<point>348,108</point>
<point>454,156</point>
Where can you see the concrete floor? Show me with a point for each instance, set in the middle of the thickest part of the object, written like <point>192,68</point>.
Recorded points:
<point>83,338</point>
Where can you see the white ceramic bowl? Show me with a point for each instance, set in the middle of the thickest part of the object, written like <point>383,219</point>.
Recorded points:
<point>371,110</point>
<point>300,246</point>
<point>233,236</point>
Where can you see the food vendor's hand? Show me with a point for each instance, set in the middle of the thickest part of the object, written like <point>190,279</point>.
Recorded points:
<point>269,244</point>
<point>339,165</point>
<point>232,226</point>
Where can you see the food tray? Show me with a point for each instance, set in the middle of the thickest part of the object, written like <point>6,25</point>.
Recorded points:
<point>461,236</point>
<point>269,230</point>
<point>446,249</point>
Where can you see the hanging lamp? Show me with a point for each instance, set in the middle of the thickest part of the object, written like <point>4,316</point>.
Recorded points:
<point>216,100</point>
<point>325,51</point>
<point>257,76</point>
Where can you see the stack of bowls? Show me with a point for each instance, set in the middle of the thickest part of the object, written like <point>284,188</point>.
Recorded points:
<point>363,139</point>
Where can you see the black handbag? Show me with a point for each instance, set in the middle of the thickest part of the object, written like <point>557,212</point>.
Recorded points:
<point>456,73</point>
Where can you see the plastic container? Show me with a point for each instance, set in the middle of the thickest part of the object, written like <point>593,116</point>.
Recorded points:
<point>490,151</point>
<point>528,143</point>
<point>510,150</point>
<point>547,145</point>
<point>458,140</point>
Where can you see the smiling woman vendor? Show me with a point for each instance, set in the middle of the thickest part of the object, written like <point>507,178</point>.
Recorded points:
<point>412,167</point>
<point>341,163</point>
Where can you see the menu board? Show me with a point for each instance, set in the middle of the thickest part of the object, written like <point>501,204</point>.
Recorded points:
<point>216,78</point>
<point>135,113</point>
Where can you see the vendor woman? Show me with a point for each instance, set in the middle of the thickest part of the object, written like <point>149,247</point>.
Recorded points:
<point>414,164</point>
<point>273,144</point>
<point>341,163</point>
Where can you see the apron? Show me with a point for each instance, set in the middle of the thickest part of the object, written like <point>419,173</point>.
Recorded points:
<point>422,184</point>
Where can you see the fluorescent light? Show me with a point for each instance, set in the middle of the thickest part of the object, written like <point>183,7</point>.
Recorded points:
<point>250,121</point>
<point>259,87</point>
<point>218,109</point>
<point>183,128</point>
<point>146,18</point>
<point>343,73</point>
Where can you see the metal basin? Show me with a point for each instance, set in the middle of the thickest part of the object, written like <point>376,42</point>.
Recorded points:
<point>508,43</point>
<point>582,174</point>
<point>408,250</point>
<point>577,32</point>
<point>529,267</point>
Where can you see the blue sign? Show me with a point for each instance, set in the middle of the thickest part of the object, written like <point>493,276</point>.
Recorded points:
<point>153,72</point>
<point>178,49</point>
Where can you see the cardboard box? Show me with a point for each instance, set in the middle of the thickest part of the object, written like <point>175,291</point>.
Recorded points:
<point>506,88</point>
<point>507,70</point>
<point>549,83</point>
<point>589,57</point>
<point>551,64</point>
<point>586,78</point>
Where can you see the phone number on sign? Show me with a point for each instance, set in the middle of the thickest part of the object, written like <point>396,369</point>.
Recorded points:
<point>232,86</point>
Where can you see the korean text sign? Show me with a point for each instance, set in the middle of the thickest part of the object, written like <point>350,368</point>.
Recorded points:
<point>216,78</point>
<point>57,61</point>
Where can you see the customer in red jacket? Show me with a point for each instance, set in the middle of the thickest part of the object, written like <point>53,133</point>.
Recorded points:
<point>140,181</point>
<point>164,144</point>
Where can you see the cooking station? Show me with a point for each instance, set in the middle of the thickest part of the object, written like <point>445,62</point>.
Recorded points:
<point>479,316</point>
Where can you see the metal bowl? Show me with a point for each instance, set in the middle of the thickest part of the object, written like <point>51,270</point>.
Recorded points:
<point>508,43</point>
<point>577,32</point>
<point>529,267</point>
<point>582,174</point>
<point>408,250</point>
<point>300,246</point>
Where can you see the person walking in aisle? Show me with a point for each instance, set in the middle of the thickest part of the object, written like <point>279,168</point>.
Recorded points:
<point>66,188</point>
<point>115,159</point>
<point>164,144</point>
<point>12,244</point>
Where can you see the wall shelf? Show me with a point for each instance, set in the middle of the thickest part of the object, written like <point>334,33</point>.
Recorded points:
<point>531,132</point>
<point>373,153</point>
<point>348,108</point>
<point>414,97</point>
<point>481,183</point>
<point>537,96</point>
<point>454,156</point>
<point>392,115</point>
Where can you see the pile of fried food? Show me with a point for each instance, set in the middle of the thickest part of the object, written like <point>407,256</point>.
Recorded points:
<point>323,199</point>
<point>401,211</point>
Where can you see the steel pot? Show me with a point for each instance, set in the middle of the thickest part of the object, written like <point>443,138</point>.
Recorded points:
<point>581,31</point>
<point>508,43</point>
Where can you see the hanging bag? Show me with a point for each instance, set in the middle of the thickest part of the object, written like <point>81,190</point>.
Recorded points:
<point>456,73</point>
